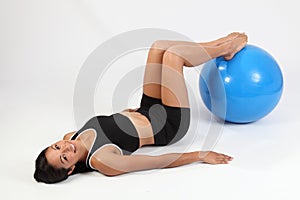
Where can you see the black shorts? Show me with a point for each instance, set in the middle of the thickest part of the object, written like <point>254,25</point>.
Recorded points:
<point>169,124</point>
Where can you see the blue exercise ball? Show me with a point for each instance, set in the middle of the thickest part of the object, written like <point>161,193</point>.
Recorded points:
<point>243,89</point>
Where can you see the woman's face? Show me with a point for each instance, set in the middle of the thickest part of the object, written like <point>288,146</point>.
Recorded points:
<point>63,154</point>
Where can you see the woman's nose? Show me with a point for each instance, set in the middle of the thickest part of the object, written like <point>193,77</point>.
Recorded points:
<point>65,147</point>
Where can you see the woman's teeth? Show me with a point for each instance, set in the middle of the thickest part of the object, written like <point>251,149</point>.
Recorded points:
<point>73,148</point>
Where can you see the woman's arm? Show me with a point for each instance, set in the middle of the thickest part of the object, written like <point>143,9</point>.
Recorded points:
<point>113,164</point>
<point>179,159</point>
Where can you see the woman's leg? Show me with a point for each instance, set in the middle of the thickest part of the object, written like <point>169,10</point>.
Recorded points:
<point>173,88</point>
<point>153,71</point>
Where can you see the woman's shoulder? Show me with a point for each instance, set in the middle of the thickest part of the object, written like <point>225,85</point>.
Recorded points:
<point>68,135</point>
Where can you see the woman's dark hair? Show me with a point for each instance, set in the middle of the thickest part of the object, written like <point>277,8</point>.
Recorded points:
<point>44,172</point>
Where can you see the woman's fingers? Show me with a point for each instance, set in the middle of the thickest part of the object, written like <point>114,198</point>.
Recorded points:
<point>223,159</point>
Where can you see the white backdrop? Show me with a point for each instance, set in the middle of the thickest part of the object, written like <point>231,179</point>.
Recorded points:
<point>43,45</point>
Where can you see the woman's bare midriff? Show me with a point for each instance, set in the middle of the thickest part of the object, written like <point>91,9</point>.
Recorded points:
<point>142,126</point>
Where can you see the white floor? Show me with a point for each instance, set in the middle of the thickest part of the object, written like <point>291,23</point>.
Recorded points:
<point>41,54</point>
<point>266,156</point>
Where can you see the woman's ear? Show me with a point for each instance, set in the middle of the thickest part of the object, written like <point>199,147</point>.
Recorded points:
<point>71,170</point>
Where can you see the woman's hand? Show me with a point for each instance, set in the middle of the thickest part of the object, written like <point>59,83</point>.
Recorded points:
<point>212,157</point>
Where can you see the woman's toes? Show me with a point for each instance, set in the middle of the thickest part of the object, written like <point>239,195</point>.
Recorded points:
<point>233,34</point>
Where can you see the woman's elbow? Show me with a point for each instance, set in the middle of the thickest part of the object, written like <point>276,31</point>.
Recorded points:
<point>111,173</point>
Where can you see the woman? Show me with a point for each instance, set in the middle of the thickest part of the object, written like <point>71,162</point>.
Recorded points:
<point>105,143</point>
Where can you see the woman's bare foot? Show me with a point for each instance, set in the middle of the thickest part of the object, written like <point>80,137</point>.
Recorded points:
<point>236,45</point>
<point>230,36</point>
<point>223,40</point>
<point>214,158</point>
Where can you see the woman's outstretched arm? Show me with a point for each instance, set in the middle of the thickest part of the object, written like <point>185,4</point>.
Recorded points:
<point>112,163</point>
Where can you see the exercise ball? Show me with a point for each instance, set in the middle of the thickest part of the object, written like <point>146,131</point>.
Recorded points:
<point>243,89</point>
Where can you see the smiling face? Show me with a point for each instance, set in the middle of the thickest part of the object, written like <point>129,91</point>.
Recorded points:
<point>64,154</point>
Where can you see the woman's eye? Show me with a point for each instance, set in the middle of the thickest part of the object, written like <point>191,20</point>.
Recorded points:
<point>65,157</point>
<point>57,147</point>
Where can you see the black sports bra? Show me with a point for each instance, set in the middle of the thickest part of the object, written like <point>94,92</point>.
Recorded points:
<point>115,130</point>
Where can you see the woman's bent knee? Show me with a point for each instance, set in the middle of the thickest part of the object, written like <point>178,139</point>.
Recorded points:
<point>162,44</point>
<point>171,56</point>
<point>178,54</point>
